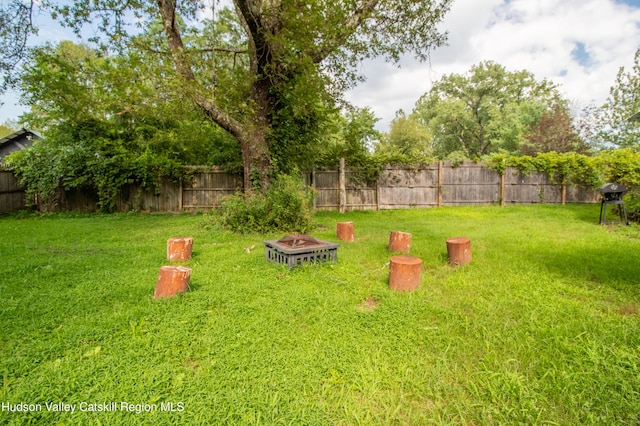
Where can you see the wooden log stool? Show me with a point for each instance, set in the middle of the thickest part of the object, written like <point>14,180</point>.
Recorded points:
<point>459,250</point>
<point>345,231</point>
<point>399,241</point>
<point>172,280</point>
<point>404,273</point>
<point>179,249</point>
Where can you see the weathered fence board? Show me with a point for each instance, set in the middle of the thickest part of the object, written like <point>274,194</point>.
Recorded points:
<point>469,184</point>
<point>166,198</point>
<point>207,188</point>
<point>441,184</point>
<point>327,187</point>
<point>401,188</point>
<point>581,194</point>
<point>11,195</point>
<point>535,187</point>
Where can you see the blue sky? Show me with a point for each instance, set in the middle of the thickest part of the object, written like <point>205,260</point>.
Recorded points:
<point>578,44</point>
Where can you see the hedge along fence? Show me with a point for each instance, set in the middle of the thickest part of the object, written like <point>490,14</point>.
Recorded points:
<point>396,187</point>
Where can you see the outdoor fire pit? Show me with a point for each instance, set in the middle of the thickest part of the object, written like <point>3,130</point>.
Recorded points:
<point>300,249</point>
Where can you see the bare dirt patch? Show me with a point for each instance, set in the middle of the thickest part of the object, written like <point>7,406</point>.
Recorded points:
<point>629,309</point>
<point>368,304</point>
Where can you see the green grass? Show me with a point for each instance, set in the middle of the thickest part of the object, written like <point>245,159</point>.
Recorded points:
<point>543,327</point>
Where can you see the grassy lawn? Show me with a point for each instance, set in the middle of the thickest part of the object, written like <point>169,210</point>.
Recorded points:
<point>543,327</point>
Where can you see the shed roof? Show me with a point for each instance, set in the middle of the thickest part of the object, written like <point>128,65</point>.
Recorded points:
<point>20,134</point>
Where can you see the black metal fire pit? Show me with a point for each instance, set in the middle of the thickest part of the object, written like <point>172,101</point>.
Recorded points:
<point>612,193</point>
<point>300,249</point>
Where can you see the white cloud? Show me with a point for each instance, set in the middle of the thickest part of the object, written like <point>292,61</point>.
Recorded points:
<point>541,36</point>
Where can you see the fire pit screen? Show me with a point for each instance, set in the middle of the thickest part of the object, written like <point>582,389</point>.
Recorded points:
<point>300,249</point>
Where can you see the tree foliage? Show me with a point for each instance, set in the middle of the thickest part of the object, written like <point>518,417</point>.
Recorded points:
<point>294,59</point>
<point>70,85</point>
<point>82,157</point>
<point>6,130</point>
<point>487,110</point>
<point>608,126</point>
<point>554,131</point>
<point>406,137</point>
<point>107,123</point>
<point>16,26</point>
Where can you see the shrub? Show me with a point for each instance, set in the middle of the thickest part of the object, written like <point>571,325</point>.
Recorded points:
<point>84,158</point>
<point>286,207</point>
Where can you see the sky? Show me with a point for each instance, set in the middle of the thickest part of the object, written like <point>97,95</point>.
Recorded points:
<point>578,44</point>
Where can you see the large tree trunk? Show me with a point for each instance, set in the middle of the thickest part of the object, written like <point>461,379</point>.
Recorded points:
<point>256,153</point>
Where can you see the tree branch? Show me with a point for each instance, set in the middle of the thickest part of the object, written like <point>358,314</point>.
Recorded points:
<point>176,48</point>
<point>350,26</point>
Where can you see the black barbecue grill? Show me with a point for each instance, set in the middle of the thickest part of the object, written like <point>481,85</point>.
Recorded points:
<point>612,193</point>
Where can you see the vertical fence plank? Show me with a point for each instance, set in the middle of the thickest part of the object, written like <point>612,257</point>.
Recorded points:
<point>343,189</point>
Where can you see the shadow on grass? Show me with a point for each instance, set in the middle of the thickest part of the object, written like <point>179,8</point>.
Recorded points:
<point>614,264</point>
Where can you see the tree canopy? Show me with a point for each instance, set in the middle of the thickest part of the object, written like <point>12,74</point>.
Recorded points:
<point>484,111</point>
<point>608,125</point>
<point>287,61</point>
<point>406,137</point>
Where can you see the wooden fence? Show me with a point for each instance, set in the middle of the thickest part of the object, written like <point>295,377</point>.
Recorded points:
<point>440,184</point>
<point>11,195</point>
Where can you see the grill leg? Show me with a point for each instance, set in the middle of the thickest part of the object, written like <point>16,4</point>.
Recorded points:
<point>603,212</point>
<point>623,214</point>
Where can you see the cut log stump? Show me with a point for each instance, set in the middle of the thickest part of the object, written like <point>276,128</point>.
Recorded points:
<point>345,231</point>
<point>179,249</point>
<point>399,241</point>
<point>404,273</point>
<point>172,280</point>
<point>459,250</point>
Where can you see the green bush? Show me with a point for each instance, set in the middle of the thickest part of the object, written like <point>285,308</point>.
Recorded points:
<point>286,207</point>
<point>90,158</point>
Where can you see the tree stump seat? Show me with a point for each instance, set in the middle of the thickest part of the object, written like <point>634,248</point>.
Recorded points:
<point>404,273</point>
<point>171,281</point>
<point>399,241</point>
<point>459,250</point>
<point>179,249</point>
<point>345,231</point>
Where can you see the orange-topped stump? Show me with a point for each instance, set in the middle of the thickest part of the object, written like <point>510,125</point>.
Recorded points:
<point>400,241</point>
<point>459,250</point>
<point>345,231</point>
<point>404,273</point>
<point>179,249</point>
<point>172,280</point>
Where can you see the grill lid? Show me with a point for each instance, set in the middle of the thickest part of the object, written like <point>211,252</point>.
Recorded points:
<point>610,188</point>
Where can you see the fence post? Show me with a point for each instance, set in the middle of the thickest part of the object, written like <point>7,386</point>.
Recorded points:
<point>563,194</point>
<point>502,184</point>
<point>343,187</point>
<point>313,185</point>
<point>378,191</point>
<point>439,183</point>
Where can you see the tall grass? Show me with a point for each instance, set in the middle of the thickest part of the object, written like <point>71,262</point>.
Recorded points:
<point>543,326</point>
